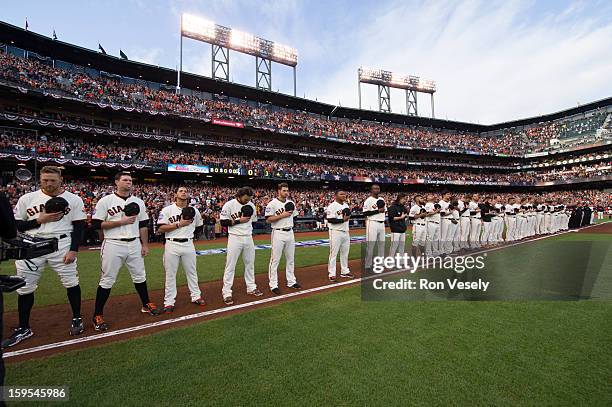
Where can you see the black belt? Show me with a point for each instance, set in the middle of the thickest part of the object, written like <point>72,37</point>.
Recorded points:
<point>379,221</point>
<point>433,221</point>
<point>285,229</point>
<point>128,239</point>
<point>180,240</point>
<point>62,236</point>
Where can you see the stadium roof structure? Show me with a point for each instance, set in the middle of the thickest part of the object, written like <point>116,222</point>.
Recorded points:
<point>59,50</point>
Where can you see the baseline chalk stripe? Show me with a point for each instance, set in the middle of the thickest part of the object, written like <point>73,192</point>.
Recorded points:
<point>137,328</point>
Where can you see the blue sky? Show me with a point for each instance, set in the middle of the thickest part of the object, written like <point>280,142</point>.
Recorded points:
<point>492,60</point>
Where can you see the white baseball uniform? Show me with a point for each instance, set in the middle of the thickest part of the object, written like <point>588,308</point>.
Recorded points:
<point>283,240</point>
<point>531,220</point>
<point>456,231</point>
<point>419,231</point>
<point>240,240</point>
<point>446,227</point>
<point>179,248</point>
<point>432,237</point>
<point>29,207</point>
<point>566,217</point>
<point>510,222</point>
<point>121,244</point>
<point>375,230</point>
<point>498,222</point>
<point>464,224</point>
<point>339,239</point>
<point>520,222</point>
<point>539,227</point>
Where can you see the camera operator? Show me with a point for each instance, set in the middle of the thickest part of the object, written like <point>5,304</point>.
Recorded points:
<point>8,230</point>
<point>50,212</point>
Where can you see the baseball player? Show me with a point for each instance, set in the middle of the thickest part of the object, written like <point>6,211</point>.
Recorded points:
<point>475,221</point>
<point>531,217</point>
<point>280,213</point>
<point>432,221</point>
<point>455,233</point>
<point>498,220</point>
<point>238,216</point>
<point>374,210</point>
<point>464,221</point>
<point>397,223</point>
<point>417,216</point>
<point>178,222</point>
<point>487,214</point>
<point>123,219</point>
<point>510,216</point>
<point>521,219</point>
<point>338,215</point>
<point>446,217</point>
<point>50,212</point>
<point>566,215</point>
<point>539,223</point>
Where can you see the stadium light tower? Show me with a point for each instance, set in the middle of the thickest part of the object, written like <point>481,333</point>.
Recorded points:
<point>386,80</point>
<point>223,39</point>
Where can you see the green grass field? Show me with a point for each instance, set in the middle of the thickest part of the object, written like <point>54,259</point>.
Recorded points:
<point>335,349</point>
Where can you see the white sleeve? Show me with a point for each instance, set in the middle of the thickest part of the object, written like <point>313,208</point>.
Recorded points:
<point>269,211</point>
<point>198,219</point>
<point>100,212</point>
<point>225,212</point>
<point>21,212</point>
<point>329,213</point>
<point>144,214</point>
<point>78,212</point>
<point>365,205</point>
<point>162,219</point>
<point>254,217</point>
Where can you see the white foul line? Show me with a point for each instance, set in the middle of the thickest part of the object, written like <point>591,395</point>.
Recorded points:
<point>136,328</point>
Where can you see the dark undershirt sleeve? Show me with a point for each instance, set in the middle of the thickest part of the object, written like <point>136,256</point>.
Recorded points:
<point>77,234</point>
<point>226,222</point>
<point>25,225</point>
<point>335,220</point>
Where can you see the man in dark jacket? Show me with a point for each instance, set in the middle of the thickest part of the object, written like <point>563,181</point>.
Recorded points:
<point>397,214</point>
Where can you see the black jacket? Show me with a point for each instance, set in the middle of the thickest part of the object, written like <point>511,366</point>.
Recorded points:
<point>393,211</point>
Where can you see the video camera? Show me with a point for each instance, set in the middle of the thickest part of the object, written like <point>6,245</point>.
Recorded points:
<point>22,247</point>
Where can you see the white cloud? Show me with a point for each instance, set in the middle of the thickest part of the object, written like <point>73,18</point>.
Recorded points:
<point>492,60</point>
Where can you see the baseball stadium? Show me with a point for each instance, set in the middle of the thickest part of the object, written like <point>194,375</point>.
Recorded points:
<point>177,238</point>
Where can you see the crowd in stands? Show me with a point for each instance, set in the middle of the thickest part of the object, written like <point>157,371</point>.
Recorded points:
<point>110,90</point>
<point>310,202</point>
<point>321,150</point>
<point>77,148</point>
